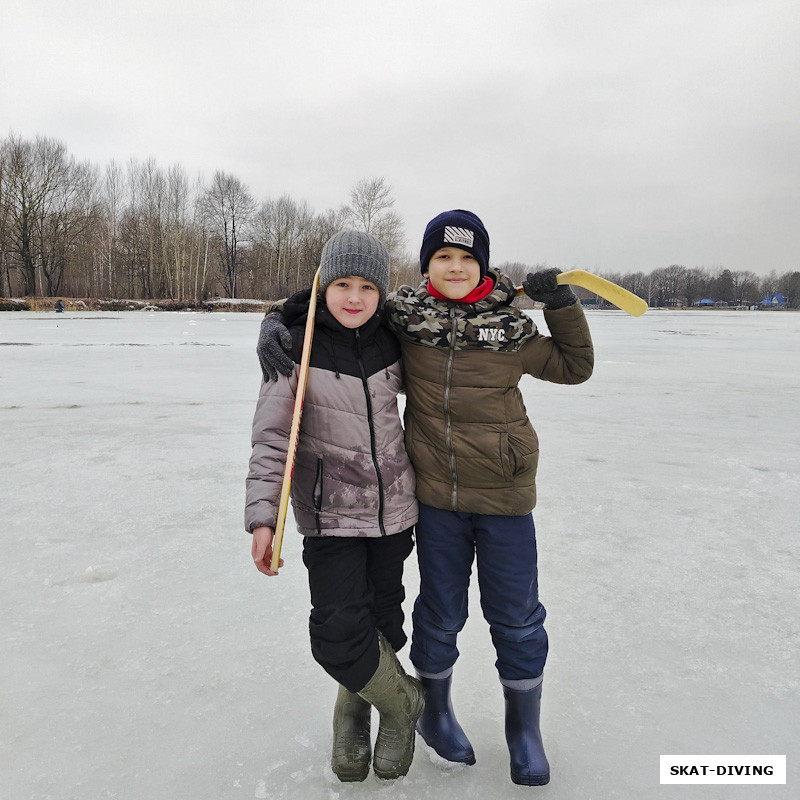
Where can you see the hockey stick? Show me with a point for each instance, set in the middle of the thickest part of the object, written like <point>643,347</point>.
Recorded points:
<point>294,431</point>
<point>621,298</point>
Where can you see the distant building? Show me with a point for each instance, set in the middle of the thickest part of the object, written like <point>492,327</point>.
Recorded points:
<point>773,301</point>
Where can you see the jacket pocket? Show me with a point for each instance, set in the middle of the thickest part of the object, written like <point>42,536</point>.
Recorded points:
<point>508,457</point>
<point>520,452</point>
<point>316,494</point>
<point>316,491</point>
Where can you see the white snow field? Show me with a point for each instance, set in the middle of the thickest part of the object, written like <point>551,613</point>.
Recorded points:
<point>144,657</point>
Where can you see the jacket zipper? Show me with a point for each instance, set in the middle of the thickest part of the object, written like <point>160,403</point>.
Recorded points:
<point>448,428</point>
<point>372,444</point>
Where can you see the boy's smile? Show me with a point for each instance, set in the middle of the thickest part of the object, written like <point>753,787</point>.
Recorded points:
<point>453,272</point>
<point>352,300</point>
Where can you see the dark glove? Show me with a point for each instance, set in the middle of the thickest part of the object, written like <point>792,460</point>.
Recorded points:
<point>273,348</point>
<point>543,287</point>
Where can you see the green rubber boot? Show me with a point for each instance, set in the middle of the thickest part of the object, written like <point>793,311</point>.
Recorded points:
<point>400,700</point>
<point>352,747</point>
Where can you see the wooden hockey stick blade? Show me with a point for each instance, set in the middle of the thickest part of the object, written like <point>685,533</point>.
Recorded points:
<point>294,431</point>
<point>621,298</point>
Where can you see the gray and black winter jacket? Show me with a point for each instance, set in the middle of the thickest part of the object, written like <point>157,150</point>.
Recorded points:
<point>352,476</point>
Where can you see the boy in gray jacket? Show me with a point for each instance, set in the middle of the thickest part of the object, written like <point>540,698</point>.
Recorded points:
<point>353,496</point>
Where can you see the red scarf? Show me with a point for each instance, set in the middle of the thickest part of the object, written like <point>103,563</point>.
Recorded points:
<point>483,289</point>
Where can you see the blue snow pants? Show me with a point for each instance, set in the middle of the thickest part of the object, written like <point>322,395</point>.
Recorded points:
<point>447,543</point>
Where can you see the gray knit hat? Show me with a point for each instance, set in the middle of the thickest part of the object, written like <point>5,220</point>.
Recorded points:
<point>354,253</point>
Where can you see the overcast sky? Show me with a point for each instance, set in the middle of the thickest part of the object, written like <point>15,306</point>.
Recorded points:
<point>616,135</point>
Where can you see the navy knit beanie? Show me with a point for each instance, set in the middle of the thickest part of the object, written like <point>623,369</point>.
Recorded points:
<point>457,228</point>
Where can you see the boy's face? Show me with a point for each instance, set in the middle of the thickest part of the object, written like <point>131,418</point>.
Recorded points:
<point>352,300</point>
<point>453,272</point>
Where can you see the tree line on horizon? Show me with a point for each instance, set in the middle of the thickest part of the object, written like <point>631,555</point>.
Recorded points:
<point>140,231</point>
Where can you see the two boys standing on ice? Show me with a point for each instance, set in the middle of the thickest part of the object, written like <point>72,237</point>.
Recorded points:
<point>474,451</point>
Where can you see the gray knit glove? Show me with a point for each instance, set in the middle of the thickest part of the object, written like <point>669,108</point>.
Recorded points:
<point>273,348</point>
<point>543,287</point>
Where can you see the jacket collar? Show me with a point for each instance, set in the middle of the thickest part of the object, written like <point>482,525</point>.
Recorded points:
<point>503,294</point>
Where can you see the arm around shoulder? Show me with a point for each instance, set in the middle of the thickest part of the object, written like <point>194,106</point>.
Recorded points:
<point>274,306</point>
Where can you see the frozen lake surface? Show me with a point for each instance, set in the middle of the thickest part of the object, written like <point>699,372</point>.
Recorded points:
<point>145,657</point>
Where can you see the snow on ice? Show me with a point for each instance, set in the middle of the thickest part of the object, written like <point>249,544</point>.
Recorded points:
<point>145,657</point>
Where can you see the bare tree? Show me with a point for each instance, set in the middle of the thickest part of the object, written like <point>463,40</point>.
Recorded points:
<point>287,244</point>
<point>515,270</point>
<point>674,278</point>
<point>28,185</point>
<point>724,287</point>
<point>404,271</point>
<point>745,285</point>
<point>177,237</point>
<point>201,242</point>
<point>71,214</point>
<point>5,224</point>
<point>768,284</point>
<point>635,282</point>
<point>228,207</point>
<point>48,199</point>
<point>153,192</point>
<point>371,210</point>
<point>112,195</point>
<point>278,231</point>
<point>695,285</point>
<point>790,287</point>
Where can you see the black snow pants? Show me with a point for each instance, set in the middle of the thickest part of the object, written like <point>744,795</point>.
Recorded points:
<point>356,590</point>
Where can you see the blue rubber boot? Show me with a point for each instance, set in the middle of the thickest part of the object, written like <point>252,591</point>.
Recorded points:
<point>529,766</point>
<point>438,725</point>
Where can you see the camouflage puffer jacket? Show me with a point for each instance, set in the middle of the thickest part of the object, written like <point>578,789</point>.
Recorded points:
<point>352,476</point>
<point>466,428</point>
